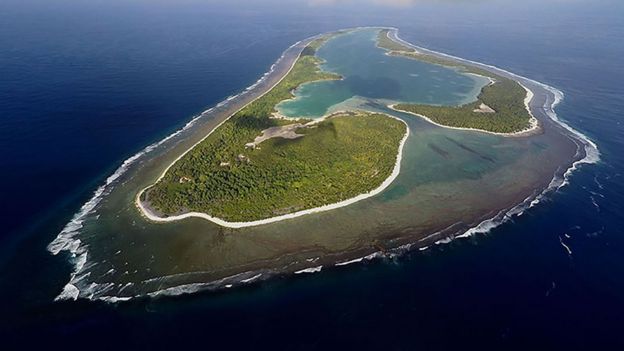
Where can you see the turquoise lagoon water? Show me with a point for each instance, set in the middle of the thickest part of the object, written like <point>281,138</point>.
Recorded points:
<point>369,74</point>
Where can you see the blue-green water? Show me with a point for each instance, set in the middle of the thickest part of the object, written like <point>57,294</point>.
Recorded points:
<point>370,74</point>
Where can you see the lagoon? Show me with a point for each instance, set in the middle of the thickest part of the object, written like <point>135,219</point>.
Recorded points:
<point>368,73</point>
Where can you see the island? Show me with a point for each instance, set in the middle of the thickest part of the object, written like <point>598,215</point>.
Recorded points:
<point>501,107</point>
<point>354,145</point>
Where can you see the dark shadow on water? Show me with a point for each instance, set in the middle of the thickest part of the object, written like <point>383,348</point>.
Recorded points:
<point>471,150</point>
<point>377,88</point>
<point>439,150</point>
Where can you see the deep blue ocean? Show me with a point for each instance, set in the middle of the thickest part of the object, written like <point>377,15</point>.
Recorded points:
<point>86,84</point>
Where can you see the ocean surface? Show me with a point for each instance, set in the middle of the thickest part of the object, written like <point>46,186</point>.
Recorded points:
<point>83,86</point>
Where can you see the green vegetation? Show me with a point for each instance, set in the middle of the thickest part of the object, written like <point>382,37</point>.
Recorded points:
<point>505,96</point>
<point>310,49</point>
<point>336,159</point>
<point>383,41</point>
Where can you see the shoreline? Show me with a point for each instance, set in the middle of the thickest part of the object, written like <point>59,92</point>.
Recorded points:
<point>395,173</point>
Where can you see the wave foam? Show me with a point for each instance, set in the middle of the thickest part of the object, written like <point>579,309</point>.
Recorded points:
<point>310,270</point>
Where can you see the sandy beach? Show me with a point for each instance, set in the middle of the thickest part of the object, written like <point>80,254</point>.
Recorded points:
<point>395,172</point>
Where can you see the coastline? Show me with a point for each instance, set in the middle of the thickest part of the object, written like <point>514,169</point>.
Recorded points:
<point>68,240</point>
